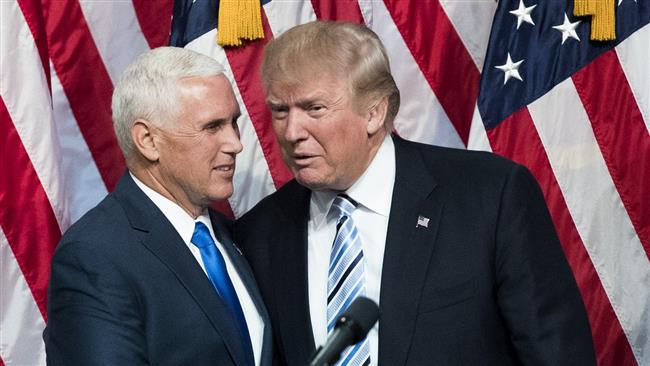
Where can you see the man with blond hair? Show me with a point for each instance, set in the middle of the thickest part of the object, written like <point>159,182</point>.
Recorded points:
<point>151,275</point>
<point>457,247</point>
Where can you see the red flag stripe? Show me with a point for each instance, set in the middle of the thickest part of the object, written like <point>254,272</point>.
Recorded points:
<point>621,134</point>
<point>155,28</point>
<point>347,11</point>
<point>245,63</point>
<point>26,218</point>
<point>33,12</point>
<point>436,46</point>
<point>516,138</point>
<point>86,84</point>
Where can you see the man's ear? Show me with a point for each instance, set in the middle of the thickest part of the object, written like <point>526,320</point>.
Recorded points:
<point>377,116</point>
<point>142,134</point>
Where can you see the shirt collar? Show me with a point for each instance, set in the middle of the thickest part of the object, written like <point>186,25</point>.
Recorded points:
<point>179,218</point>
<point>373,190</point>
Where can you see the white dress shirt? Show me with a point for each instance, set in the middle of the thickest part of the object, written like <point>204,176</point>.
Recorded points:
<point>373,191</point>
<point>184,225</point>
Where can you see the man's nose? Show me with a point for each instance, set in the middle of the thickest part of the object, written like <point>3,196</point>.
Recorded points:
<point>233,144</point>
<point>295,130</point>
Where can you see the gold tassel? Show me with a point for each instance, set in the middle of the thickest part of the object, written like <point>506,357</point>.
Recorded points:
<point>239,19</point>
<point>603,20</point>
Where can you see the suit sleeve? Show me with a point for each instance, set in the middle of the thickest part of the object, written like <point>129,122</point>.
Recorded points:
<point>92,312</point>
<point>536,290</point>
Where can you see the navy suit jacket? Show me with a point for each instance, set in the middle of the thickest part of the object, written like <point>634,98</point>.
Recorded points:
<point>126,290</point>
<point>485,282</point>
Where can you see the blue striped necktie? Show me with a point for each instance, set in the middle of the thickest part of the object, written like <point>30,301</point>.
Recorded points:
<point>218,274</point>
<point>346,278</point>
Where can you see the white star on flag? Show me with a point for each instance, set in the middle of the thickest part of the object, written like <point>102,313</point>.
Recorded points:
<point>568,29</point>
<point>510,69</point>
<point>620,1</point>
<point>523,13</point>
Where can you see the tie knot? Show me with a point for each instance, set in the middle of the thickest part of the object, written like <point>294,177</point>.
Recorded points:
<point>201,236</point>
<point>344,205</point>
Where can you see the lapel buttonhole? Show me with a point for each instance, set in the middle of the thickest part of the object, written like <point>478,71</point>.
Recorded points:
<point>237,248</point>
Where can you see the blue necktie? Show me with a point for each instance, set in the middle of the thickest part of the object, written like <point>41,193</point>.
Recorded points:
<point>218,274</point>
<point>346,278</point>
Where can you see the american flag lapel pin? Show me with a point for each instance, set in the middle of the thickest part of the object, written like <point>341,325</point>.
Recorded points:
<point>422,221</point>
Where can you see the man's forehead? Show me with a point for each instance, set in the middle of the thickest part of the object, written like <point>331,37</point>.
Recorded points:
<point>219,81</point>
<point>198,85</point>
<point>310,90</point>
<point>194,78</point>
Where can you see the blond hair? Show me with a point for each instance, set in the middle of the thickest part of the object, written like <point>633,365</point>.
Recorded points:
<point>343,49</point>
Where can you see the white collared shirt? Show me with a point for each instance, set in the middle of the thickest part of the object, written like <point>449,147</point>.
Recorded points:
<point>184,225</point>
<point>373,191</point>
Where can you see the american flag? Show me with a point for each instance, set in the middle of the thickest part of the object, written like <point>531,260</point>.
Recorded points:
<point>519,77</point>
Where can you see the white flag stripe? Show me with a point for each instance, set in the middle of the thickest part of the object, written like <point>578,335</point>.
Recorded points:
<point>365,7</point>
<point>116,33</point>
<point>84,186</point>
<point>252,178</point>
<point>478,139</point>
<point>21,323</point>
<point>421,117</point>
<point>634,55</point>
<point>283,15</point>
<point>598,212</point>
<point>30,109</point>
<point>472,20</point>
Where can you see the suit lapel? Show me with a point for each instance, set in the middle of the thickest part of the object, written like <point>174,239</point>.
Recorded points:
<point>289,268</point>
<point>161,239</point>
<point>246,275</point>
<point>408,251</point>
<point>237,259</point>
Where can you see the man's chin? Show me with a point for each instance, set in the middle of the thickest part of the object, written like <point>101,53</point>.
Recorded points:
<point>312,182</point>
<point>221,194</point>
<point>321,183</point>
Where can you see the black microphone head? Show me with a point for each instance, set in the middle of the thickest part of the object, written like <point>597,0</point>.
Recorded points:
<point>360,316</point>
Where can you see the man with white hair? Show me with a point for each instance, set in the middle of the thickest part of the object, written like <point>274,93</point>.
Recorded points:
<point>151,275</point>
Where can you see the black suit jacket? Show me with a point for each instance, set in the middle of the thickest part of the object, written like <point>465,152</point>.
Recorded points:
<point>484,283</point>
<point>125,290</point>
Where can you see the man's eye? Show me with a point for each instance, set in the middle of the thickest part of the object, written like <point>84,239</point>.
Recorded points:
<point>213,126</point>
<point>279,112</point>
<point>316,110</point>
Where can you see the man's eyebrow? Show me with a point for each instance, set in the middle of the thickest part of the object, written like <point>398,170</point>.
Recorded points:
<point>303,103</point>
<point>306,103</point>
<point>220,121</point>
<point>274,102</point>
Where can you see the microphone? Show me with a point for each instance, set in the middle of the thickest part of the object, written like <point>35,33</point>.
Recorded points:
<point>350,328</point>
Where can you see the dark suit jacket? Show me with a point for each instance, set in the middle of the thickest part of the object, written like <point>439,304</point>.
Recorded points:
<point>125,290</point>
<point>486,283</point>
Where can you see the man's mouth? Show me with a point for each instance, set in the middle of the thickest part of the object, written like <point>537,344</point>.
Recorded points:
<point>226,168</point>
<point>302,159</point>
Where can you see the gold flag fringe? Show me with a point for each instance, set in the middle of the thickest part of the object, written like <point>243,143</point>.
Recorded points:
<point>603,20</point>
<point>238,20</point>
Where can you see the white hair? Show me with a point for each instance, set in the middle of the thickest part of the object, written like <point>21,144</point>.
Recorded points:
<point>147,88</point>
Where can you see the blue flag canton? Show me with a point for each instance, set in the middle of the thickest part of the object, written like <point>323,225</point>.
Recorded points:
<point>194,18</point>
<point>534,45</point>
